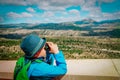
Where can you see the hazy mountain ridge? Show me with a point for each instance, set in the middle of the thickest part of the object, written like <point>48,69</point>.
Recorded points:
<point>62,26</point>
<point>87,27</point>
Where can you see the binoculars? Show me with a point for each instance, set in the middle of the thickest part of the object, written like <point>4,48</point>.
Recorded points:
<point>47,47</point>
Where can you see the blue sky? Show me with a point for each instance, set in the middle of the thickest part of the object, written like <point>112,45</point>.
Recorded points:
<point>55,11</point>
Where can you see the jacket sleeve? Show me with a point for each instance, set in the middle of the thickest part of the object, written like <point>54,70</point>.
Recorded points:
<point>44,69</point>
<point>50,58</point>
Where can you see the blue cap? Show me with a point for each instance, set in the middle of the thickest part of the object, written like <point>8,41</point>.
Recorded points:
<point>31,44</point>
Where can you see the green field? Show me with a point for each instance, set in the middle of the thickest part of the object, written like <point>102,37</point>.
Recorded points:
<point>72,47</point>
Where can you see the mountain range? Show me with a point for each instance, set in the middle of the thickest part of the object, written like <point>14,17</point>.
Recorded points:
<point>109,28</point>
<point>75,25</point>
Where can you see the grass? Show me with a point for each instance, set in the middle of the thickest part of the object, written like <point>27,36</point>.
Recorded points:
<point>72,47</point>
<point>10,56</point>
<point>9,42</point>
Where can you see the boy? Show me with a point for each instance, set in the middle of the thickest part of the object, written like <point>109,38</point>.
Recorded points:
<point>36,48</point>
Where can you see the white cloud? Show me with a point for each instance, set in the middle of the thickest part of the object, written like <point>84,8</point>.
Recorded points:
<point>25,14</point>
<point>58,16</point>
<point>105,16</point>
<point>54,4</point>
<point>61,16</point>
<point>22,15</point>
<point>45,4</point>
<point>74,11</point>
<point>68,19</point>
<point>64,4</point>
<point>53,7</point>
<point>115,15</point>
<point>14,2</point>
<point>1,19</point>
<point>48,14</point>
<point>51,2</point>
<point>92,7</point>
<point>106,1</point>
<point>95,12</point>
<point>14,15</point>
<point>30,9</point>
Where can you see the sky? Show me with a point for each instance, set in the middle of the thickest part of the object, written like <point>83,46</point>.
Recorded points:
<point>56,11</point>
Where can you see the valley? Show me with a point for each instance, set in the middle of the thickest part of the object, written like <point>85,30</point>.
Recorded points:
<point>78,40</point>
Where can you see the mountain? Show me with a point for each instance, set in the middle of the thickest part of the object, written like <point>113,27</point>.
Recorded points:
<point>109,21</point>
<point>86,27</point>
<point>77,25</point>
<point>85,21</point>
<point>54,26</point>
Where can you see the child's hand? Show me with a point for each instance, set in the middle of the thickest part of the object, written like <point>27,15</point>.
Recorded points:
<point>53,47</point>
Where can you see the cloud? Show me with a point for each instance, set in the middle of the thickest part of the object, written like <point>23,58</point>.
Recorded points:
<point>106,1</point>
<point>48,14</point>
<point>45,4</point>
<point>67,19</point>
<point>30,9</point>
<point>61,15</point>
<point>88,5</point>
<point>105,16</point>
<point>59,4</point>
<point>13,2</point>
<point>58,16</point>
<point>25,14</point>
<point>95,12</point>
<point>110,16</point>
<point>92,7</point>
<point>22,15</point>
<point>55,4</point>
<point>51,8</point>
<point>40,2</point>
<point>14,15</point>
<point>1,19</point>
<point>72,15</point>
<point>74,11</point>
<point>55,10</point>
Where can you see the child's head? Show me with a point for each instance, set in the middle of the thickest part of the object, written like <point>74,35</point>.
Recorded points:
<point>31,44</point>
